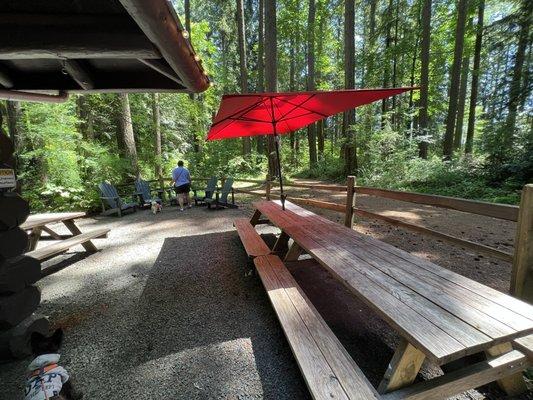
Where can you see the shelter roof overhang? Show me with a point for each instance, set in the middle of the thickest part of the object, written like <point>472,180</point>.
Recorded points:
<point>87,46</point>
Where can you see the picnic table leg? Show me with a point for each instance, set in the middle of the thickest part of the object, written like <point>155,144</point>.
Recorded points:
<point>514,384</point>
<point>294,252</point>
<point>55,235</point>
<point>34,237</point>
<point>281,244</point>
<point>255,218</point>
<point>403,368</point>
<point>71,226</point>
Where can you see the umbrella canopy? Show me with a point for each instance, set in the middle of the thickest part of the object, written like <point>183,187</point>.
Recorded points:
<point>276,113</point>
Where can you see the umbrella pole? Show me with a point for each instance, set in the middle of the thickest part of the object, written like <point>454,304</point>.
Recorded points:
<point>282,196</point>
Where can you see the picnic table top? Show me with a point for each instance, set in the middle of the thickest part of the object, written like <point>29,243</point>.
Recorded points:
<point>39,220</point>
<point>443,314</point>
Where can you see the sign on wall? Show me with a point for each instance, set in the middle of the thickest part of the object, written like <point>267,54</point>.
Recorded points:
<point>7,178</point>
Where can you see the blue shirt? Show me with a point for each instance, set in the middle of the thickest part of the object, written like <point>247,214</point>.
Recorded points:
<point>181,176</point>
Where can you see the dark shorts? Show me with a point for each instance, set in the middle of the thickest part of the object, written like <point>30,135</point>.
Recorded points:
<point>182,189</point>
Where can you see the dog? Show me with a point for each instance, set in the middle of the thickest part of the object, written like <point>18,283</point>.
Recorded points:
<point>156,207</point>
<point>46,380</point>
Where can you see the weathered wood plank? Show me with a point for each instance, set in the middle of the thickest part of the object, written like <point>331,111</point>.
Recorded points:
<point>522,274</point>
<point>436,344</point>
<point>302,322</point>
<point>470,377</point>
<point>64,245</point>
<point>513,384</point>
<point>403,368</point>
<point>492,319</point>
<point>525,345</point>
<point>252,242</point>
<point>37,220</point>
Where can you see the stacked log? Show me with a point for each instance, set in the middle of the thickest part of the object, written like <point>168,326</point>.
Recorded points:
<point>19,297</point>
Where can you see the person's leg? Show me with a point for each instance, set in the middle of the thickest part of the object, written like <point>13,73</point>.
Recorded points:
<point>188,198</point>
<point>180,200</point>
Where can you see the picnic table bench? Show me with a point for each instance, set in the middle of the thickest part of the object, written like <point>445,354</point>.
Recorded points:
<point>440,315</point>
<point>38,223</point>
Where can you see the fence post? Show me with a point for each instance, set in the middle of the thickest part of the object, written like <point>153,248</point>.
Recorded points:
<point>267,188</point>
<point>522,275</point>
<point>350,201</point>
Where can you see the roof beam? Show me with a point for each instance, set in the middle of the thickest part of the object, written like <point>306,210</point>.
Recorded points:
<point>79,37</point>
<point>81,76</point>
<point>5,79</point>
<point>163,69</point>
<point>161,26</point>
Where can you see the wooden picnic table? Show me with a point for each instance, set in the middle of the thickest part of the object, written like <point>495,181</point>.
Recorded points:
<point>38,223</point>
<point>441,315</point>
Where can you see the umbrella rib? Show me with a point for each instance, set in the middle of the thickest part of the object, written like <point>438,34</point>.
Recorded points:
<point>296,116</point>
<point>249,119</point>
<point>233,120</point>
<point>302,107</point>
<point>232,116</point>
<point>295,105</point>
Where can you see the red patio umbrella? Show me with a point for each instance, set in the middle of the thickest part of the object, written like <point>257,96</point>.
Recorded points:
<point>254,114</point>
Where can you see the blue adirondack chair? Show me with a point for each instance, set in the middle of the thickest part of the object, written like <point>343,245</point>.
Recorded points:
<point>145,194</point>
<point>208,192</point>
<point>221,197</point>
<point>115,205</point>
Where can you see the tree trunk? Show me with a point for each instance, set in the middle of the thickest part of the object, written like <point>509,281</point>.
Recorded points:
<point>13,118</point>
<point>462,7</point>
<point>458,137</point>
<point>86,118</point>
<point>469,145</point>
<point>261,65</point>
<point>423,117</point>
<point>386,61</point>
<point>292,88</point>
<point>311,129</point>
<point>126,132</point>
<point>349,146</point>
<point>395,62</point>
<point>246,144</point>
<point>271,72</point>
<point>320,138</point>
<point>157,133</point>
<point>516,89</point>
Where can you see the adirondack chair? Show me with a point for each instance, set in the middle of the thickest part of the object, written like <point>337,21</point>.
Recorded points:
<point>221,197</point>
<point>145,194</point>
<point>110,197</point>
<point>208,192</point>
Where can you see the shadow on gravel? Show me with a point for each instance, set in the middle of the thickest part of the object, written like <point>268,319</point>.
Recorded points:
<point>206,330</point>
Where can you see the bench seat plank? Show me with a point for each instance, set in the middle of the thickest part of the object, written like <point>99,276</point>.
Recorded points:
<point>64,245</point>
<point>252,242</point>
<point>326,366</point>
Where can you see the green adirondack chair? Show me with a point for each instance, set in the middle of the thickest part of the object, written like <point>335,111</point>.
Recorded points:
<point>115,204</point>
<point>221,197</point>
<point>209,191</point>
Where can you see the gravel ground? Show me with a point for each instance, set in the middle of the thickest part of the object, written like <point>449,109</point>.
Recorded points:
<point>167,310</point>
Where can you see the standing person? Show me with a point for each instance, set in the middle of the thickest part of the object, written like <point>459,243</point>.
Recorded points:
<point>181,180</point>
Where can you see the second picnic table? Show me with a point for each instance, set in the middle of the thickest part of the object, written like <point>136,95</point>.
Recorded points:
<point>38,223</point>
<point>440,315</point>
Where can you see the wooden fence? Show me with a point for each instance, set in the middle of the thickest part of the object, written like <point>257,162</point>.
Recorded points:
<point>522,258</point>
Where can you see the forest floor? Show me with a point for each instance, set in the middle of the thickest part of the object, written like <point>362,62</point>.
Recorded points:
<point>167,308</point>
